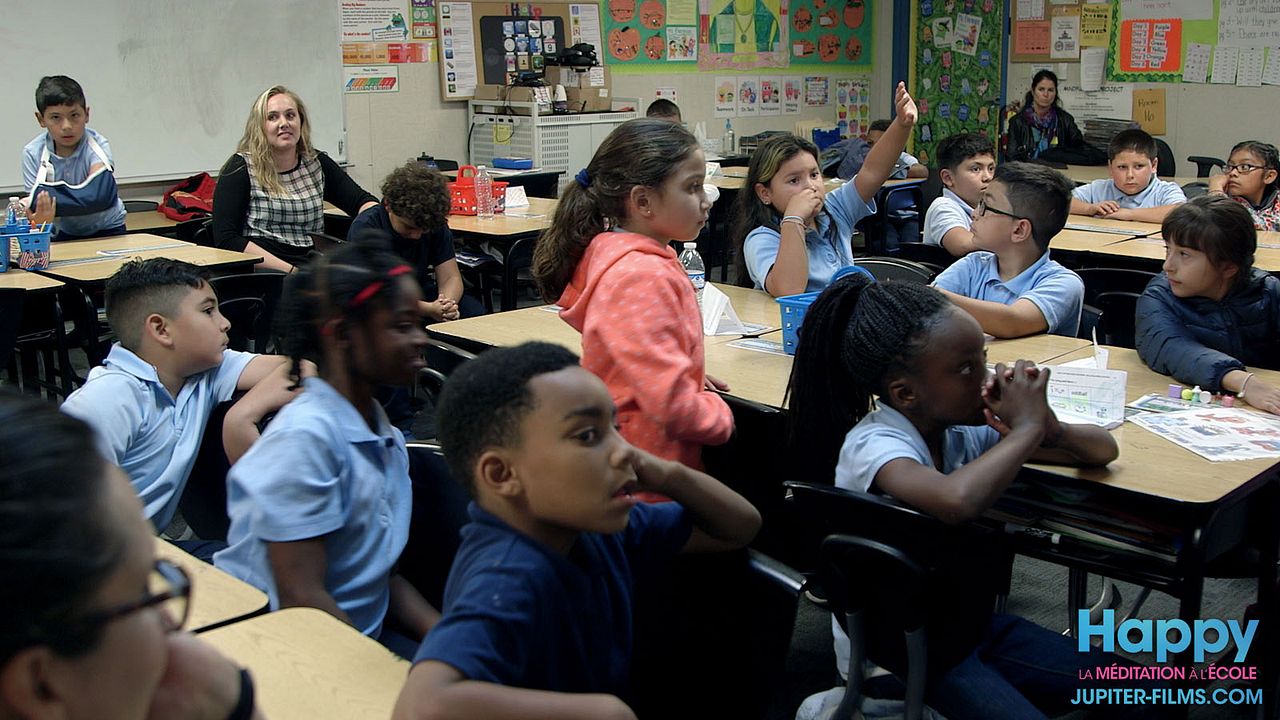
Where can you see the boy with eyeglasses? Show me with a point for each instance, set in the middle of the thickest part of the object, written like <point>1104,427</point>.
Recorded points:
<point>1009,284</point>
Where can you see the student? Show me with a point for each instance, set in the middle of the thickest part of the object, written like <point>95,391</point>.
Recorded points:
<point>538,604</point>
<point>966,162</point>
<point>1014,289</point>
<point>1133,192</point>
<point>907,165</point>
<point>89,618</point>
<point>1211,315</point>
<point>946,438</point>
<point>69,151</point>
<point>320,505</point>
<point>271,194</point>
<point>621,286</point>
<point>792,237</point>
<point>413,214</point>
<point>1252,177</point>
<point>151,398</point>
<point>664,109</point>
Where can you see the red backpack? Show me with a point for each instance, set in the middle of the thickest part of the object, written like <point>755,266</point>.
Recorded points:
<point>189,199</point>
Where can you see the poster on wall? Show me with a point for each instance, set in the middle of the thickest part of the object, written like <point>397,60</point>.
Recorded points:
<point>458,50</point>
<point>370,79</point>
<point>770,96</point>
<point>1148,50</point>
<point>957,83</point>
<point>792,89</point>
<point>742,34</point>
<point>422,19</point>
<point>825,32</point>
<point>726,97</point>
<point>748,96</point>
<point>815,91</point>
<point>641,32</point>
<point>584,27</point>
<point>373,21</point>
<point>682,44</point>
<point>853,107</point>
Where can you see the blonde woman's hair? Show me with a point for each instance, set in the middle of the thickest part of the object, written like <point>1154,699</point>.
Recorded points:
<point>254,145</point>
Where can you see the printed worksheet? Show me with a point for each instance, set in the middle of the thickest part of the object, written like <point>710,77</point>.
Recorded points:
<point>1217,434</point>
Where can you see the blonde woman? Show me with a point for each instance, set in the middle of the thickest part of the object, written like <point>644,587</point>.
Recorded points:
<point>271,193</point>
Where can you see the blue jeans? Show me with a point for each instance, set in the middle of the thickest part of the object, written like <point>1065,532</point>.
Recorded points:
<point>1022,671</point>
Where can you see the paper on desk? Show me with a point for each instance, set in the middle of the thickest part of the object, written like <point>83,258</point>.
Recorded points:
<point>1087,395</point>
<point>718,315</point>
<point>1217,433</point>
<point>516,197</point>
<point>713,168</point>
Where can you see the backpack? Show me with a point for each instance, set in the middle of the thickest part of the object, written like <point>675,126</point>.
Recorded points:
<point>189,199</point>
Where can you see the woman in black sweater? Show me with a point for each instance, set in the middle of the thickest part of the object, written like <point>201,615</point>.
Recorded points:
<point>1041,123</point>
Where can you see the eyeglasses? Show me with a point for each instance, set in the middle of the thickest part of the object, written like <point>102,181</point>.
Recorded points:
<point>983,208</point>
<point>168,590</point>
<point>1243,168</point>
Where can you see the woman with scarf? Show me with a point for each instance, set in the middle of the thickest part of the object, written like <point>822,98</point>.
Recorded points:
<point>1041,124</point>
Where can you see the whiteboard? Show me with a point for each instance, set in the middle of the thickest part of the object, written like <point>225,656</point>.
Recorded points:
<point>170,83</point>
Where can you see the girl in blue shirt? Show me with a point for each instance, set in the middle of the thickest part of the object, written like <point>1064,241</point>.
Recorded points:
<point>890,394</point>
<point>320,506</point>
<point>790,235</point>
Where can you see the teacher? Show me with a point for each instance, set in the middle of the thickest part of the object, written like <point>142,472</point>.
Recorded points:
<point>271,193</point>
<point>1041,129</point>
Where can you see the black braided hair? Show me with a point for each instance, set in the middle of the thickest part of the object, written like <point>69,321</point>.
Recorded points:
<point>854,335</point>
<point>326,288</point>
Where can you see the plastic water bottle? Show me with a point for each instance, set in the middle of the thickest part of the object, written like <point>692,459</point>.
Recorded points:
<point>16,215</point>
<point>694,268</point>
<point>484,193</point>
<point>728,143</point>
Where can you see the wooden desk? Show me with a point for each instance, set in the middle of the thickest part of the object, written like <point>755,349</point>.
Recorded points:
<point>147,220</point>
<point>735,182</point>
<point>513,222</point>
<point>1084,174</point>
<point>30,281</point>
<point>1264,258</point>
<point>216,597</point>
<point>308,665</point>
<point>1120,228</point>
<point>96,260</point>
<point>1083,241</point>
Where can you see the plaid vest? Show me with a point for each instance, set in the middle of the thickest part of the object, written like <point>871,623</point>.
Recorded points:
<point>289,217</point>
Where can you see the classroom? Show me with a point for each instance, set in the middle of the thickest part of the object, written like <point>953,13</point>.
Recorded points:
<point>641,358</point>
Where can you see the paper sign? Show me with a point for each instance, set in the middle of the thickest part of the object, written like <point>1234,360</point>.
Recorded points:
<point>1149,110</point>
<point>1095,24</point>
<point>1195,68</point>
<point>1249,71</point>
<point>1185,9</point>
<point>1271,74</point>
<point>1225,60</point>
<point>1031,38</point>
<point>1084,395</point>
<point>718,315</point>
<point>514,196</point>
<point>1065,32</point>
<point>1093,65</point>
<point>1219,433</point>
<point>370,79</point>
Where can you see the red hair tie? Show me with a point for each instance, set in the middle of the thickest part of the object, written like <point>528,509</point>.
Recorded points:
<point>374,287</point>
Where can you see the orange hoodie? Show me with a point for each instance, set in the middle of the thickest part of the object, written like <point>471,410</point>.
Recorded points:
<point>642,334</point>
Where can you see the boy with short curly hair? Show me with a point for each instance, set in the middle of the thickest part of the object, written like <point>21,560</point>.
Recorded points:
<point>413,213</point>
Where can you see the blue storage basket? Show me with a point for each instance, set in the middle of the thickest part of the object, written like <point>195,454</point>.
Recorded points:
<point>793,308</point>
<point>29,245</point>
<point>825,138</point>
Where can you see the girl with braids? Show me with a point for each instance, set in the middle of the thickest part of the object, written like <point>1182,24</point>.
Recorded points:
<point>1252,178</point>
<point>89,618</point>
<point>790,235</point>
<point>320,505</point>
<point>606,260</point>
<point>890,394</point>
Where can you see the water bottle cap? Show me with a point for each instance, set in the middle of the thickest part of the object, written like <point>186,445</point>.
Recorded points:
<point>13,198</point>
<point>692,245</point>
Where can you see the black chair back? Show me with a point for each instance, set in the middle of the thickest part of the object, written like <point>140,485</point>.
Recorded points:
<point>439,512</point>
<point>1166,165</point>
<point>1090,316</point>
<point>140,206</point>
<point>1118,317</point>
<point>1107,279</point>
<point>11,300</point>
<point>891,268</point>
<point>246,317</point>
<point>926,254</point>
<point>1204,165</point>
<point>264,286</point>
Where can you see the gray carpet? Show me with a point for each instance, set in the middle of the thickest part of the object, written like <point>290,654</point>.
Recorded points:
<point>1039,594</point>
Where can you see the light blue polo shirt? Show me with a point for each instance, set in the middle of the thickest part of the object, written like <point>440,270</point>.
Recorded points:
<point>1057,291</point>
<point>828,246</point>
<point>320,471</point>
<point>885,434</point>
<point>948,211</point>
<point>1157,192</point>
<point>151,435</point>
<point>73,170</point>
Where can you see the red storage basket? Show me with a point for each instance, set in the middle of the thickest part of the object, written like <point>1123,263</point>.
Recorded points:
<point>462,193</point>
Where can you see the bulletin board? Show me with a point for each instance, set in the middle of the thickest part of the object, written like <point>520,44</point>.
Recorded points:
<point>473,41</point>
<point>956,68</point>
<point>1198,41</point>
<point>1044,31</point>
<point>691,35</point>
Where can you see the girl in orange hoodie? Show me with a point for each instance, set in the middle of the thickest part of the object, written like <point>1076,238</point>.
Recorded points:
<point>607,261</point>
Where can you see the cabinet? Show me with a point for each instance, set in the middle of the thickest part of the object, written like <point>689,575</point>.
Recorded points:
<point>554,142</point>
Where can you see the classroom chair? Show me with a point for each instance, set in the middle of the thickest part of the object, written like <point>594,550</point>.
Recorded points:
<point>326,241</point>
<point>141,206</point>
<point>265,286</point>
<point>1168,167</point>
<point>1204,165</point>
<point>1090,316</point>
<point>892,268</point>
<point>43,346</point>
<point>505,276</point>
<point>11,300</point>
<point>245,315</point>
<point>934,257</point>
<point>442,359</point>
<point>1117,324</point>
<point>748,464</point>
<point>439,512</point>
<point>969,568</point>
<point>203,504</point>
<point>1111,279</point>
<point>901,589</point>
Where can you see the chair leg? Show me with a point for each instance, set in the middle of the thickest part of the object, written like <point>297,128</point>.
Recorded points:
<point>1077,586</point>
<point>917,664</point>
<point>852,701</point>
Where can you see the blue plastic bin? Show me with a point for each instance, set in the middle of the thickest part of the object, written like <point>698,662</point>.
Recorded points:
<point>793,308</point>
<point>825,138</point>
<point>30,246</point>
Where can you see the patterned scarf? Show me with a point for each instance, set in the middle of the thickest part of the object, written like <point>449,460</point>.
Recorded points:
<point>1044,130</point>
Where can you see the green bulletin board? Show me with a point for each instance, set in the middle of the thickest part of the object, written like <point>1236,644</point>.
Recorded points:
<point>955,69</point>
<point>1189,31</point>
<point>831,32</point>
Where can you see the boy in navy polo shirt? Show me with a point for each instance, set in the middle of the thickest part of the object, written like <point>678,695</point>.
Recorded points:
<point>1014,289</point>
<point>538,607</point>
<point>1133,192</point>
<point>413,212</point>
